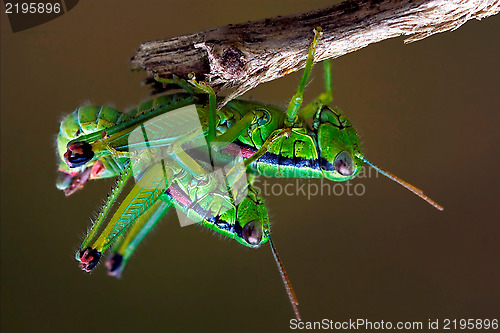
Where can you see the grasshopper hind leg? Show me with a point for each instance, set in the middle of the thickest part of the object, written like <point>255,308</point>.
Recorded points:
<point>127,244</point>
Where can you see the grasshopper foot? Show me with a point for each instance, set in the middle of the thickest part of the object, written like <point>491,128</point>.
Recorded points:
<point>88,259</point>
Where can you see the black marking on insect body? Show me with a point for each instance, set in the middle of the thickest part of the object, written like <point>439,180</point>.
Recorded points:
<point>297,162</point>
<point>175,193</point>
<point>222,225</point>
<point>331,116</point>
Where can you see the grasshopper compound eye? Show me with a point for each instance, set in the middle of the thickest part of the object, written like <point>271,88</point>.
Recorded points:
<point>88,259</point>
<point>78,154</point>
<point>344,164</point>
<point>252,233</point>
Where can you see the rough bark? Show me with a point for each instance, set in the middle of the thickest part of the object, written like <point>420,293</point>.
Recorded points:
<point>241,56</point>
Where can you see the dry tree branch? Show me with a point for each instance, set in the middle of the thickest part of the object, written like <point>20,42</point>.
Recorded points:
<point>242,56</point>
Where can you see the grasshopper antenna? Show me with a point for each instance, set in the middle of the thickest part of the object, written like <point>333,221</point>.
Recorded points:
<point>401,182</point>
<point>284,277</point>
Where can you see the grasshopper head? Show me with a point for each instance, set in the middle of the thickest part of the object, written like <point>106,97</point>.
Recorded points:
<point>338,145</point>
<point>73,176</point>
<point>76,159</point>
<point>252,223</point>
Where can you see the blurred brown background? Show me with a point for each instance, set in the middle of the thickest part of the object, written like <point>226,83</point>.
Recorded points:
<point>429,112</point>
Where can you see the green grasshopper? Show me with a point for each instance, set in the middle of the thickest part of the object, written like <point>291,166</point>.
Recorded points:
<point>243,218</point>
<point>272,144</point>
<point>277,145</point>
